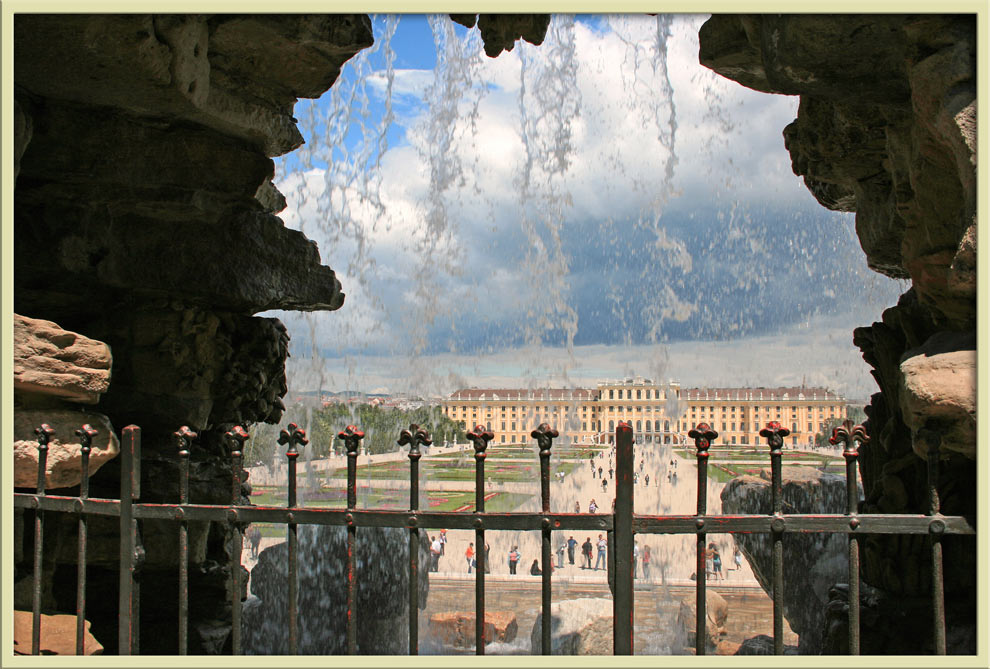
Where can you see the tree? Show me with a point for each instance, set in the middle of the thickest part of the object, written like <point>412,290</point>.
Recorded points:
<point>821,439</point>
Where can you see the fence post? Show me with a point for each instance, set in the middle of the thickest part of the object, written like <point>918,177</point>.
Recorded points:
<point>848,436</point>
<point>45,433</point>
<point>935,530</point>
<point>183,439</point>
<point>130,454</point>
<point>289,438</point>
<point>703,436</point>
<point>774,434</point>
<point>235,438</point>
<point>85,434</point>
<point>480,438</point>
<point>622,611</point>
<point>351,437</point>
<point>414,436</point>
<point>544,436</point>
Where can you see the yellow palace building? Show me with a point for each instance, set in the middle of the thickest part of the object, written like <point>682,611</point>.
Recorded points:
<point>658,413</point>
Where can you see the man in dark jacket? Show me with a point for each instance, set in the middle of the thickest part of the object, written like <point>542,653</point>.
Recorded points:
<point>586,549</point>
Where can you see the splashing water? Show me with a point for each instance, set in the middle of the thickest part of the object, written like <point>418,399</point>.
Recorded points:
<point>502,221</point>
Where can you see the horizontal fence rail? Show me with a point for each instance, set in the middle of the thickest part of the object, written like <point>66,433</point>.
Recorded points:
<point>621,525</point>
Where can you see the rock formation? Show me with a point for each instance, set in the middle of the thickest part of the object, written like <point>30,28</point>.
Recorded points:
<point>813,562</point>
<point>144,218</point>
<point>457,628</point>
<point>577,627</point>
<point>382,566</point>
<point>886,127</point>
<point>716,613</point>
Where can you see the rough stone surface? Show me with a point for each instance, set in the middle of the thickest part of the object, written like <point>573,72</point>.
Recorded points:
<point>891,625</point>
<point>457,628</point>
<point>58,635</point>
<point>716,613</point>
<point>166,259</point>
<point>63,466</point>
<point>578,627</point>
<point>812,562</point>
<point>51,361</point>
<point>939,392</point>
<point>499,32</point>
<point>886,127</point>
<point>382,567</point>
<point>762,644</point>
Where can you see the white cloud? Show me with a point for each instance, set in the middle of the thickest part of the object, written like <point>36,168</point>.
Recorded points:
<point>439,239</point>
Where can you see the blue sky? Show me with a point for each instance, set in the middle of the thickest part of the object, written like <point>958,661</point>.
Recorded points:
<point>599,201</point>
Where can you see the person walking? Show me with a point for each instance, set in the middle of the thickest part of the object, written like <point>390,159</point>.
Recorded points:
<point>560,553</point>
<point>488,561</point>
<point>611,472</point>
<point>435,548</point>
<point>717,564</point>
<point>602,558</point>
<point>571,545</point>
<point>469,556</point>
<point>443,542</point>
<point>710,562</point>
<point>254,538</point>
<point>586,548</point>
<point>646,561</point>
<point>738,559</point>
<point>577,507</point>
<point>635,557</point>
<point>600,472</point>
<point>593,507</point>
<point>513,559</point>
<point>647,479</point>
<point>604,485</point>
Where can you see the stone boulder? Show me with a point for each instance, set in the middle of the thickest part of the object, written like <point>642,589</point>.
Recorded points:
<point>63,466</point>
<point>499,32</point>
<point>382,567</point>
<point>939,392</point>
<point>813,562</point>
<point>49,360</point>
<point>578,627</point>
<point>762,644</point>
<point>457,628</point>
<point>716,613</point>
<point>58,635</point>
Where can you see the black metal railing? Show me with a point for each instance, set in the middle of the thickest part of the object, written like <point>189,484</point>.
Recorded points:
<point>621,525</point>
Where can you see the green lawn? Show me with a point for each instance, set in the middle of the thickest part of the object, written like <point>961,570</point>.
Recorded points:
<point>497,469</point>
<point>430,500</point>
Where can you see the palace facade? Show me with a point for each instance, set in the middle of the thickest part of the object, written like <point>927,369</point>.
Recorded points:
<point>658,413</point>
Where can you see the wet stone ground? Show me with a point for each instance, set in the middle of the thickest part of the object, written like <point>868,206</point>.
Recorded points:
<point>750,610</point>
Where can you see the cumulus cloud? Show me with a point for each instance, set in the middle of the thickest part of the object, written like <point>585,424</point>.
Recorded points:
<point>600,189</point>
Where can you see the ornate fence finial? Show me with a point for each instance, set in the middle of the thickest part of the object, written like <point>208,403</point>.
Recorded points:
<point>703,436</point>
<point>544,436</point>
<point>45,434</point>
<point>291,436</point>
<point>86,434</point>
<point>480,437</point>
<point>849,435</point>
<point>183,439</point>
<point>351,436</point>
<point>774,434</point>
<point>236,437</point>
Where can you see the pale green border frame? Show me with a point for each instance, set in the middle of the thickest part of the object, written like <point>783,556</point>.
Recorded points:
<point>978,7</point>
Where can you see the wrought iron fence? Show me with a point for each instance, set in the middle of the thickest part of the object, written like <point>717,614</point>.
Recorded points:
<point>621,526</point>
